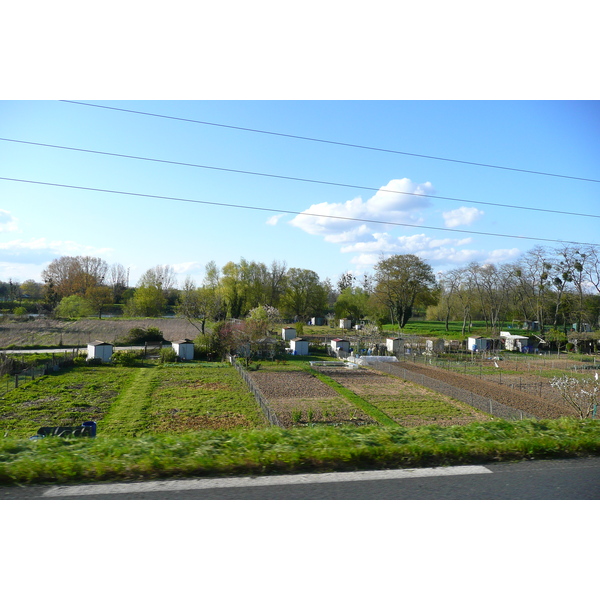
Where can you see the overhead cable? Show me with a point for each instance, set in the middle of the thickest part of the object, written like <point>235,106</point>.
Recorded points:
<point>301,179</point>
<point>293,212</point>
<point>321,141</point>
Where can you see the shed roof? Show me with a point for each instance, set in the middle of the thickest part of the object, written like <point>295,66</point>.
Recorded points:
<point>99,343</point>
<point>184,341</point>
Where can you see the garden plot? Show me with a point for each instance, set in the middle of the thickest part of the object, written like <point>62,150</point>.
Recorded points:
<point>540,407</point>
<point>299,398</point>
<point>406,403</point>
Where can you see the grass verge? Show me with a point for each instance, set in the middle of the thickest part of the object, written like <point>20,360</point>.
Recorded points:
<point>274,450</point>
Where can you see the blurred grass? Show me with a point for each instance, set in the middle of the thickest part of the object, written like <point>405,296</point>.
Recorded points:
<point>311,449</point>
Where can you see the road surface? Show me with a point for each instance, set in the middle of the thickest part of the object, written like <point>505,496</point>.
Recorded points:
<point>568,479</point>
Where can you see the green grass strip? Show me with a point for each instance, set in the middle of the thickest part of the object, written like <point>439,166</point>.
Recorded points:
<point>359,402</point>
<point>127,415</point>
<point>297,450</point>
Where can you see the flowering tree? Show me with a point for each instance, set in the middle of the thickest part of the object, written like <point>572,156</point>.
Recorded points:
<point>580,394</point>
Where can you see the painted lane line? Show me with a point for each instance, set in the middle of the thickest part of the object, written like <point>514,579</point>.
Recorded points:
<point>236,482</point>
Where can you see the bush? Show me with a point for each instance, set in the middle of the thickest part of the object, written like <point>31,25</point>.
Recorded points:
<point>20,311</point>
<point>139,335</point>
<point>92,362</point>
<point>167,355</point>
<point>124,358</point>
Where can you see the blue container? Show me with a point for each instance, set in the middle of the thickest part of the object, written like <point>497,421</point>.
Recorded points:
<point>92,426</point>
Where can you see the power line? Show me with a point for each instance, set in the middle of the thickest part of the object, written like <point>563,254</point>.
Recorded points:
<point>293,212</point>
<point>320,182</point>
<point>321,141</point>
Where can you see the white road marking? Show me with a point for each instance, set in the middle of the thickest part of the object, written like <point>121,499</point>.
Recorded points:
<point>235,482</point>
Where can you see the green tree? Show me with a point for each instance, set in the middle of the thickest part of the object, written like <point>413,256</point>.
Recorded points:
<point>305,295</point>
<point>402,281</point>
<point>352,303</point>
<point>197,304</point>
<point>72,307</point>
<point>150,297</point>
<point>99,297</point>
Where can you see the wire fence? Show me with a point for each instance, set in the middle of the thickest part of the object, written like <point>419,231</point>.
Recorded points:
<point>487,405</point>
<point>260,399</point>
<point>493,369</point>
<point>13,380</point>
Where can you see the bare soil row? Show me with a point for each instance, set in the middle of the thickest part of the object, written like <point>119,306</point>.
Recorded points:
<point>299,398</point>
<point>543,408</point>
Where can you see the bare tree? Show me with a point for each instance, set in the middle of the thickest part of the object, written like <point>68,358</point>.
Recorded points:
<point>580,394</point>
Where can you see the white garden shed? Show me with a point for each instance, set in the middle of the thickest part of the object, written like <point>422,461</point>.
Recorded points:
<point>184,349</point>
<point>340,345</point>
<point>288,333</point>
<point>99,349</point>
<point>394,345</point>
<point>435,345</point>
<point>345,324</point>
<point>477,343</point>
<point>299,346</point>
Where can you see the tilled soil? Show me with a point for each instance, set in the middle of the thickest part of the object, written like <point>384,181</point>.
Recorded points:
<point>381,389</point>
<point>540,407</point>
<point>291,384</point>
<point>299,398</point>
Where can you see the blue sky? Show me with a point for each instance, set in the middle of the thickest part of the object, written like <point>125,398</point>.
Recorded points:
<point>462,82</point>
<point>39,223</point>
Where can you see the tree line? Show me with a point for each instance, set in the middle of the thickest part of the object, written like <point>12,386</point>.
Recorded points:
<point>559,288</point>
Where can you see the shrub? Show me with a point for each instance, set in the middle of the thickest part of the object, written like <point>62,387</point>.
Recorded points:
<point>20,311</point>
<point>139,335</point>
<point>167,355</point>
<point>124,358</point>
<point>72,307</point>
<point>92,362</point>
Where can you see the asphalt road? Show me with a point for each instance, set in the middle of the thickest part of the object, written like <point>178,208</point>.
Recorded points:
<point>569,479</point>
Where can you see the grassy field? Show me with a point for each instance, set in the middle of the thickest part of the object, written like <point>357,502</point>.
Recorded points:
<point>274,450</point>
<point>132,401</point>
<point>65,398</point>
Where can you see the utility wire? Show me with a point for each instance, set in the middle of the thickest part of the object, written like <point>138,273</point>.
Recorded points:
<point>293,212</point>
<point>359,187</point>
<point>309,139</point>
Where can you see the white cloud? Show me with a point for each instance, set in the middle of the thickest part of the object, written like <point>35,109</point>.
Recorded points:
<point>447,253</point>
<point>273,220</point>
<point>502,255</point>
<point>187,267</point>
<point>7,221</point>
<point>462,216</point>
<point>399,201</point>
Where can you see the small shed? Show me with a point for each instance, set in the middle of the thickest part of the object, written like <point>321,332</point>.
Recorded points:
<point>477,343</point>
<point>394,345</point>
<point>288,333</point>
<point>435,345</point>
<point>299,346</point>
<point>184,349</point>
<point>340,345</point>
<point>101,350</point>
<point>317,321</point>
<point>522,343</point>
<point>345,324</point>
